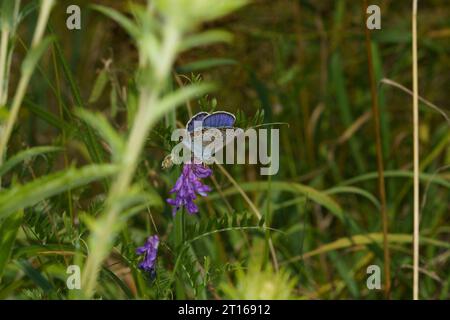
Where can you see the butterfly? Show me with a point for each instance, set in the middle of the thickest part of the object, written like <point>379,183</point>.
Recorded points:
<point>198,126</point>
<point>218,120</point>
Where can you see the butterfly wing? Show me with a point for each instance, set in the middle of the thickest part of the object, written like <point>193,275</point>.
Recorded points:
<point>219,119</point>
<point>198,117</point>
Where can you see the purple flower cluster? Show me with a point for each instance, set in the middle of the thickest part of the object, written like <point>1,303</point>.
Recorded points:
<point>186,189</point>
<point>188,186</point>
<point>150,251</point>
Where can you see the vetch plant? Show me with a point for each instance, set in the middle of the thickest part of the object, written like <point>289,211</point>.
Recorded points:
<point>188,186</point>
<point>150,251</point>
<point>86,211</point>
<point>161,30</point>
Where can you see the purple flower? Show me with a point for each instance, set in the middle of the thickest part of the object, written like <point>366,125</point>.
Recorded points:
<point>188,186</point>
<point>150,251</point>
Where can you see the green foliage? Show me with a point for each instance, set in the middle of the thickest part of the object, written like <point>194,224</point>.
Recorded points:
<point>23,196</point>
<point>258,283</point>
<point>86,119</point>
<point>33,56</point>
<point>24,156</point>
<point>8,233</point>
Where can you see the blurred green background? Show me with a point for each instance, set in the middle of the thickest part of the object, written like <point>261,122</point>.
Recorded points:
<point>303,63</point>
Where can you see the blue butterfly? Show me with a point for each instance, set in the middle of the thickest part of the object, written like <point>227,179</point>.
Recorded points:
<point>218,120</point>
<point>197,125</point>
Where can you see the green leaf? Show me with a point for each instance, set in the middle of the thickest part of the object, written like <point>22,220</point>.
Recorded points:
<point>27,9</point>
<point>431,178</point>
<point>34,54</point>
<point>93,146</point>
<point>101,124</point>
<point>8,233</point>
<point>355,190</point>
<point>320,197</point>
<point>135,197</point>
<point>62,249</point>
<point>35,276</point>
<point>99,86</point>
<point>124,22</point>
<point>345,273</point>
<point>46,116</point>
<point>205,38</point>
<point>24,196</point>
<point>180,96</point>
<point>205,64</point>
<point>32,250</point>
<point>7,15</point>
<point>365,240</point>
<point>4,114</point>
<point>188,13</point>
<point>25,155</point>
<point>344,107</point>
<point>108,273</point>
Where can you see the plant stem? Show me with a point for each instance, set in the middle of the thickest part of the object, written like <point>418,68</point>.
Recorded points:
<point>179,242</point>
<point>73,218</point>
<point>416,153</point>
<point>255,211</point>
<point>3,55</point>
<point>108,224</point>
<point>44,14</point>
<point>380,165</point>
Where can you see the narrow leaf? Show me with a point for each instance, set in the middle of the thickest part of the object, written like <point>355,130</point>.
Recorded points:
<point>24,196</point>
<point>34,54</point>
<point>180,96</point>
<point>124,22</point>
<point>24,156</point>
<point>99,86</point>
<point>99,123</point>
<point>8,233</point>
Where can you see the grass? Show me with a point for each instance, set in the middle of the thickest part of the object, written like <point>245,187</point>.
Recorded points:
<point>87,116</point>
<point>415,151</point>
<point>380,162</point>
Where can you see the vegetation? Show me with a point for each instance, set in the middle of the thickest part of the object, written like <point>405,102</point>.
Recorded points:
<point>86,118</point>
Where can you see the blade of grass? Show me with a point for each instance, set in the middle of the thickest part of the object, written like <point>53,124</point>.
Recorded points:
<point>94,148</point>
<point>23,196</point>
<point>296,188</point>
<point>426,177</point>
<point>8,232</point>
<point>255,211</point>
<point>25,155</point>
<point>364,240</point>
<point>380,160</point>
<point>415,153</point>
<point>338,78</point>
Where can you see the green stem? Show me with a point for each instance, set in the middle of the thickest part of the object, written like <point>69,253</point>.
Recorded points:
<point>3,55</point>
<point>179,246</point>
<point>44,14</point>
<point>64,133</point>
<point>108,225</point>
<point>380,162</point>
